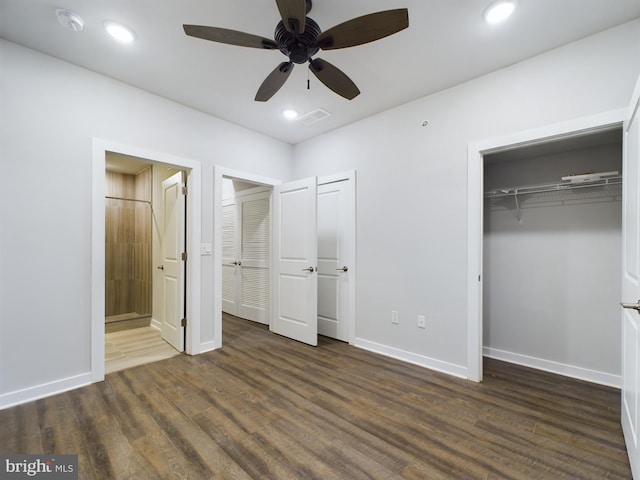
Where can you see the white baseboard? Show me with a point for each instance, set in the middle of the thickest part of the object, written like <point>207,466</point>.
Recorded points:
<point>155,324</point>
<point>421,360</point>
<point>30,394</point>
<point>572,371</point>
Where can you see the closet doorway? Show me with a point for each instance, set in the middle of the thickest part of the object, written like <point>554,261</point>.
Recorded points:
<point>551,260</point>
<point>144,272</point>
<point>244,196</point>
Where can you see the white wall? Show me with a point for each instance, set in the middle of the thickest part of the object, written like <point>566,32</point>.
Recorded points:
<point>51,111</point>
<point>552,279</point>
<point>412,189</point>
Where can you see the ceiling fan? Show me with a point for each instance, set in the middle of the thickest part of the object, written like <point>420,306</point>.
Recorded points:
<point>300,38</point>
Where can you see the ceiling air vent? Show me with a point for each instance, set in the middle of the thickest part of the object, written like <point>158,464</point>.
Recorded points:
<point>313,117</point>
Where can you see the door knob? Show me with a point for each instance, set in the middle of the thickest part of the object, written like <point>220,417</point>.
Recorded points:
<point>161,267</point>
<point>310,269</point>
<point>632,306</point>
<point>344,269</point>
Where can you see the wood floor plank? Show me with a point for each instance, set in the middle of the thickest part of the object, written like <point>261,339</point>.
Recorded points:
<point>249,451</point>
<point>265,407</point>
<point>20,430</point>
<point>61,433</point>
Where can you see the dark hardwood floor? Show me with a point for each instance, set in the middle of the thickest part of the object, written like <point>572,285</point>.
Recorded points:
<point>264,407</point>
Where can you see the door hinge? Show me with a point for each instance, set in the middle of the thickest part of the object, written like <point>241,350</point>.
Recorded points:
<point>184,256</point>
<point>184,190</point>
<point>183,322</point>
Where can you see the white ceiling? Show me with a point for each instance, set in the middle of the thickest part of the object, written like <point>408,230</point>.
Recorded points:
<point>447,43</point>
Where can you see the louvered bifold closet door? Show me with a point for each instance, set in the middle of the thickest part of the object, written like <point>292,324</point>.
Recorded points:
<point>254,286</point>
<point>230,255</point>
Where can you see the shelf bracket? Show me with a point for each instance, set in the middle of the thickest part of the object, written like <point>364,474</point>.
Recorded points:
<point>518,213</point>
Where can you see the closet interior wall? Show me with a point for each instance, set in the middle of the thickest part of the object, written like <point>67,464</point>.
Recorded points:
<point>551,279</point>
<point>128,218</point>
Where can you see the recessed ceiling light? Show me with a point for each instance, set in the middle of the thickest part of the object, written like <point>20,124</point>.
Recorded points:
<point>69,20</point>
<point>290,114</point>
<point>119,32</point>
<point>499,11</point>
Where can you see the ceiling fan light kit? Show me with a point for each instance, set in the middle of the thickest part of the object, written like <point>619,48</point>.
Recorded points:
<point>300,38</point>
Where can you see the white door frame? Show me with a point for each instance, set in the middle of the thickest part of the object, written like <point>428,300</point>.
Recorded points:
<point>194,207</point>
<point>475,201</point>
<point>218,174</point>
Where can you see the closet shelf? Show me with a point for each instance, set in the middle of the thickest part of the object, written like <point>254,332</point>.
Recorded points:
<point>551,187</point>
<point>610,187</point>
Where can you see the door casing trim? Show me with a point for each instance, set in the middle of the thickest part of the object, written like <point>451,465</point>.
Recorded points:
<point>218,174</point>
<point>194,230</point>
<point>475,177</point>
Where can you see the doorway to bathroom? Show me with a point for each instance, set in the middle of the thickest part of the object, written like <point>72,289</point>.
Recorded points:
<point>145,216</point>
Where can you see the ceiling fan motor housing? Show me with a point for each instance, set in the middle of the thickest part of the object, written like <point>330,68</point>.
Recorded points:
<point>298,47</point>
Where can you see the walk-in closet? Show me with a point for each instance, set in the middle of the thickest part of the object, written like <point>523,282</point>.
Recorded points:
<point>552,256</point>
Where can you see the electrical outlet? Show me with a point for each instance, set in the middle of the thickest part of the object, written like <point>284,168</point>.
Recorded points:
<point>394,317</point>
<point>422,323</point>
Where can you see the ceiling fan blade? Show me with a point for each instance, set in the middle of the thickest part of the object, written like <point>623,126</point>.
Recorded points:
<point>293,13</point>
<point>365,29</point>
<point>274,81</point>
<point>334,78</point>
<point>230,37</point>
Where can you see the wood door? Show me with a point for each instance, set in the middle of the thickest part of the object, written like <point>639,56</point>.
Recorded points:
<point>230,256</point>
<point>336,205</point>
<point>294,252</point>
<point>173,247</point>
<point>631,282</point>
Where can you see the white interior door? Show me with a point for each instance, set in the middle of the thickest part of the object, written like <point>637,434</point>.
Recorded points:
<point>295,279</point>
<point>336,206</point>
<point>253,279</point>
<point>631,282</point>
<point>173,246</point>
<point>230,257</point>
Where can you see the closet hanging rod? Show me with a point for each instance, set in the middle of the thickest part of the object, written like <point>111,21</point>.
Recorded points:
<point>127,199</point>
<point>554,187</point>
